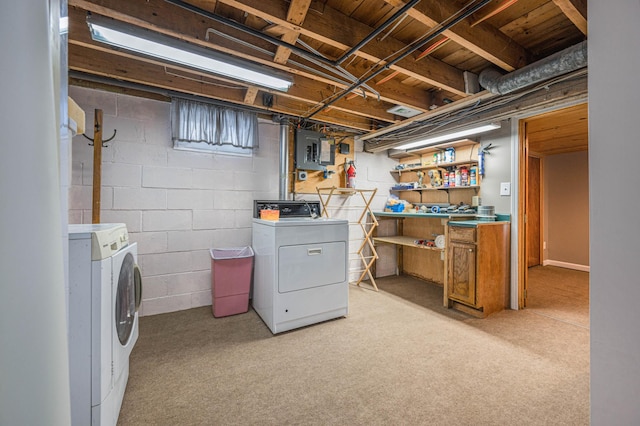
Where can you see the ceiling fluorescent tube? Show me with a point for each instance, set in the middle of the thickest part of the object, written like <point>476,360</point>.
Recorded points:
<point>449,136</point>
<point>156,45</point>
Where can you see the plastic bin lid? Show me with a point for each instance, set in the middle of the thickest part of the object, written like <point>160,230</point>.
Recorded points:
<point>231,253</point>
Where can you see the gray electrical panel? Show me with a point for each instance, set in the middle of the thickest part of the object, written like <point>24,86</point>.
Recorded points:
<point>314,151</point>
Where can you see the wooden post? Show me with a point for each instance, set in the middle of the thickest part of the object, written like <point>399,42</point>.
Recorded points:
<point>97,166</point>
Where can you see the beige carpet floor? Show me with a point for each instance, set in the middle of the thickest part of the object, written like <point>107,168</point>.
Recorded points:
<point>559,293</point>
<point>399,358</point>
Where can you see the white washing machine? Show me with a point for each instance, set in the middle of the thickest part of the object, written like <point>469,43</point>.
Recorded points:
<point>300,268</point>
<point>105,290</point>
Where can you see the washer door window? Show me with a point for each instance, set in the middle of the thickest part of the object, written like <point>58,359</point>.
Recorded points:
<point>126,299</point>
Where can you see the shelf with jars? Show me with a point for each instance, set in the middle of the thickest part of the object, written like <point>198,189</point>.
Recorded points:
<point>448,166</point>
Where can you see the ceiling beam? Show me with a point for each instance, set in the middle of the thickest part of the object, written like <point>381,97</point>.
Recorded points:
<point>576,11</point>
<point>490,12</point>
<point>452,107</point>
<point>562,94</point>
<point>149,72</point>
<point>190,87</point>
<point>305,90</point>
<point>250,95</point>
<point>296,14</point>
<point>187,26</point>
<point>342,32</point>
<point>482,39</point>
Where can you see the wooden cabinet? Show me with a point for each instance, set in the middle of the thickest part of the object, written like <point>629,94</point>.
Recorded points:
<point>462,277</point>
<point>473,268</point>
<point>478,268</point>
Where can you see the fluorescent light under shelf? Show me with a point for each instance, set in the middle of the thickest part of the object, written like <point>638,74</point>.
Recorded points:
<point>450,136</point>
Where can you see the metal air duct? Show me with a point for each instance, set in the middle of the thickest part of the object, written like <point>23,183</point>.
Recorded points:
<point>563,62</point>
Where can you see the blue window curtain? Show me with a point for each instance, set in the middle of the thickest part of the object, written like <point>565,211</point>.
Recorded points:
<point>193,121</point>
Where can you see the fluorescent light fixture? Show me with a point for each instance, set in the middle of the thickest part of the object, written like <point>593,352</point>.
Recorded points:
<point>450,136</point>
<point>156,45</point>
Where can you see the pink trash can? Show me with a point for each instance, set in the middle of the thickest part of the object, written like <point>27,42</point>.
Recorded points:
<point>231,270</point>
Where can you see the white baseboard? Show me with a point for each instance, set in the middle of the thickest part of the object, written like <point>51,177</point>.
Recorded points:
<point>575,266</point>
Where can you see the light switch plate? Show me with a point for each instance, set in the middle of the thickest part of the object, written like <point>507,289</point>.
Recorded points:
<point>505,188</point>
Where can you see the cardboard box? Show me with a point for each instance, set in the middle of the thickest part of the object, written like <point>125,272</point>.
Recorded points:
<point>270,214</point>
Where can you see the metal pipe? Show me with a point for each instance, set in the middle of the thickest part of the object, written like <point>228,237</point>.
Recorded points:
<point>249,30</point>
<point>175,94</point>
<point>400,21</point>
<point>289,61</point>
<point>283,183</point>
<point>343,72</point>
<point>439,31</point>
<point>489,107</point>
<point>563,62</point>
<point>274,40</point>
<point>336,70</point>
<point>315,57</point>
<point>376,31</point>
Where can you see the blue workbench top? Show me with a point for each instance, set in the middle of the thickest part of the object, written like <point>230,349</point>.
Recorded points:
<point>500,218</point>
<point>470,223</point>
<point>425,215</point>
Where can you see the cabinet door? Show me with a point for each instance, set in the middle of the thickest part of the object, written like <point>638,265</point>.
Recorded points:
<point>462,272</point>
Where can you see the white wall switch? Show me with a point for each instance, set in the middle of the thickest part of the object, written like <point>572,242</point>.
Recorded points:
<point>505,188</point>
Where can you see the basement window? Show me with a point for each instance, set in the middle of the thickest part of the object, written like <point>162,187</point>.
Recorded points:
<point>199,126</point>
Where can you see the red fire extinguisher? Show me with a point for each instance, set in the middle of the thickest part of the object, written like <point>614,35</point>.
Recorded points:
<point>351,176</point>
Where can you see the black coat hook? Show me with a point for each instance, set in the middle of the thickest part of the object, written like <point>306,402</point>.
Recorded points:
<point>103,142</point>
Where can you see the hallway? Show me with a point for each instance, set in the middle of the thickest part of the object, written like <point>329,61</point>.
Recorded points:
<point>559,293</point>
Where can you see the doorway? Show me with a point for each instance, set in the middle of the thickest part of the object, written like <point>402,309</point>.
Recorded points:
<point>534,208</point>
<point>554,210</point>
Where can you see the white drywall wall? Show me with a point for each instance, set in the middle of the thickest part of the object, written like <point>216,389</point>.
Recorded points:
<point>34,374</point>
<point>614,97</point>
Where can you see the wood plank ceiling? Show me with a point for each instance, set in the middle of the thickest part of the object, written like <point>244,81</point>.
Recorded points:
<point>506,34</point>
<point>558,132</point>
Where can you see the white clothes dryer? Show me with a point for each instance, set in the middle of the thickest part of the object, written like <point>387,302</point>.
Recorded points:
<point>105,290</point>
<point>300,269</point>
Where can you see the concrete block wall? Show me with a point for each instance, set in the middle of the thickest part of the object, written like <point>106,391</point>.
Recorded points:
<point>372,172</point>
<point>179,204</point>
<point>176,204</point>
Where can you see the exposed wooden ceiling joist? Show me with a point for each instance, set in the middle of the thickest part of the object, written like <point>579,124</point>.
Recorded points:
<point>340,31</point>
<point>124,66</point>
<point>482,39</point>
<point>304,38</point>
<point>576,11</point>
<point>190,28</point>
<point>296,14</point>
<point>488,107</point>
